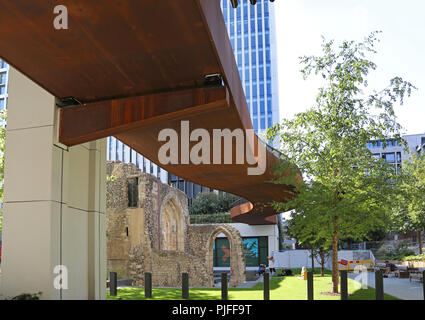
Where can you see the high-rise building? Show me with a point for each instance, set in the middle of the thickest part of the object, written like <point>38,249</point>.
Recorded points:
<point>251,31</point>
<point>4,78</point>
<point>252,34</point>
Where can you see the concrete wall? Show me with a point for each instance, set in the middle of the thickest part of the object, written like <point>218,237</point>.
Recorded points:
<point>54,202</point>
<point>302,258</point>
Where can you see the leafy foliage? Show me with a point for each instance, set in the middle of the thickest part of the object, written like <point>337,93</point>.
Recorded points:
<point>419,257</point>
<point>111,178</point>
<point>346,191</point>
<point>409,213</point>
<point>28,296</point>
<point>210,203</point>
<point>210,218</point>
<point>399,252</point>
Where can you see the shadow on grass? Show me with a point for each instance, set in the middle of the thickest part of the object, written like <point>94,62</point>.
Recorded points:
<point>368,294</point>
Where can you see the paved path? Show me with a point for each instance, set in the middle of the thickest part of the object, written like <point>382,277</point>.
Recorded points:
<point>250,284</point>
<point>399,288</point>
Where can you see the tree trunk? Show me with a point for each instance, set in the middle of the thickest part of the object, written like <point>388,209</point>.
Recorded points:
<point>420,241</point>
<point>335,269</point>
<point>312,260</point>
<point>322,262</point>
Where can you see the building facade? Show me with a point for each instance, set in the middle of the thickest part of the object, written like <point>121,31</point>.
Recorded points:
<point>251,31</point>
<point>393,152</point>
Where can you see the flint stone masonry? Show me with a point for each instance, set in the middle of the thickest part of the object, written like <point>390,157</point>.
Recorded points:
<point>156,236</point>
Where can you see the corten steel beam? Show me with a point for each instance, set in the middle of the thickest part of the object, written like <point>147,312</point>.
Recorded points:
<point>139,66</point>
<point>102,119</point>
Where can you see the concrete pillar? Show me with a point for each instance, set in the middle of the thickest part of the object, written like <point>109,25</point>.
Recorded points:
<point>54,202</point>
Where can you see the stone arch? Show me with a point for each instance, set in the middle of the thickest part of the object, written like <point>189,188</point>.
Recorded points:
<point>172,225</point>
<point>237,257</point>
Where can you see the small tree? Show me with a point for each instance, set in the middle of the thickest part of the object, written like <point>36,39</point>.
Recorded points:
<point>345,190</point>
<point>209,203</point>
<point>306,234</point>
<point>409,213</point>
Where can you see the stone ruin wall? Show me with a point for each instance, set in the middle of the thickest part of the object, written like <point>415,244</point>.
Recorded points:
<point>156,236</point>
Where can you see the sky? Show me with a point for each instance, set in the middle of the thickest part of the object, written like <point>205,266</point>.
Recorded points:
<point>401,50</point>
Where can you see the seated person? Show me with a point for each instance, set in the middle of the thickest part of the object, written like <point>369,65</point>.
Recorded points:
<point>261,269</point>
<point>389,267</point>
<point>287,272</point>
<point>303,274</point>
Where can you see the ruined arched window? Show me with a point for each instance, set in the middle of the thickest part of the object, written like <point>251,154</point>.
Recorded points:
<point>172,227</point>
<point>133,192</point>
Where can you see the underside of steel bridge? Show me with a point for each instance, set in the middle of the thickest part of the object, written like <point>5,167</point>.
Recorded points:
<point>132,68</point>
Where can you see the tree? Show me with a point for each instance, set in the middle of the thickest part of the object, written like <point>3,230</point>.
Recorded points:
<point>409,213</point>
<point>210,203</point>
<point>345,190</point>
<point>2,149</point>
<point>306,234</point>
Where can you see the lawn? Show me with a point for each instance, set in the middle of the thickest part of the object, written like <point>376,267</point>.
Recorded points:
<point>281,288</point>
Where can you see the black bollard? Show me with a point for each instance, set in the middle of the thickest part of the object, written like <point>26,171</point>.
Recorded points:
<point>185,285</point>
<point>423,282</point>
<point>344,285</point>
<point>148,285</point>
<point>310,295</point>
<point>113,284</point>
<point>224,293</point>
<point>266,286</point>
<point>379,285</point>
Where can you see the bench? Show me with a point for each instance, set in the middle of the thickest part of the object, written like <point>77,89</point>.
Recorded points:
<point>383,267</point>
<point>402,271</point>
<point>416,275</point>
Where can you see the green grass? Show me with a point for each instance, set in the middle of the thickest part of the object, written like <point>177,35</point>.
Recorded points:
<point>281,288</point>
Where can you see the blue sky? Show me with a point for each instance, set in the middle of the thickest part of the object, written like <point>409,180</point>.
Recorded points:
<point>401,51</point>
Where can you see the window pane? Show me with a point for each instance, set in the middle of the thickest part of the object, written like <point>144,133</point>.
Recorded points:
<point>389,157</point>
<point>3,78</point>
<point>133,193</point>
